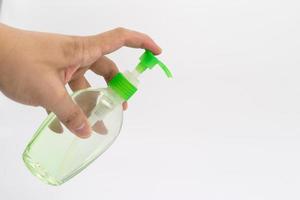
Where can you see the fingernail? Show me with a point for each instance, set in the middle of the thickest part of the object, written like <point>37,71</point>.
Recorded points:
<point>80,128</point>
<point>83,130</point>
<point>159,50</point>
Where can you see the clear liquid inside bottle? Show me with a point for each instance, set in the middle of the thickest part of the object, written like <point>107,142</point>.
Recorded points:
<point>55,154</point>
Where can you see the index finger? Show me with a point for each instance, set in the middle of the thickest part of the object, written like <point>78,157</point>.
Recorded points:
<point>113,40</point>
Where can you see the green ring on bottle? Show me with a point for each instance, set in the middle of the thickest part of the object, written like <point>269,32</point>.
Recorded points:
<point>122,86</point>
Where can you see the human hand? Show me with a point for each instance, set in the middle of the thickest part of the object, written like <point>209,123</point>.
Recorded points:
<point>35,67</point>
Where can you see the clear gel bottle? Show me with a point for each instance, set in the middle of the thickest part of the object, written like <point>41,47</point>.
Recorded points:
<point>55,155</point>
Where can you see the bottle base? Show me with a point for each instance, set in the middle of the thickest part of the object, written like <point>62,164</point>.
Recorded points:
<point>37,170</point>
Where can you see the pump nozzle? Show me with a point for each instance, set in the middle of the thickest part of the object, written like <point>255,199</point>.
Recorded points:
<point>148,61</point>
<point>125,85</point>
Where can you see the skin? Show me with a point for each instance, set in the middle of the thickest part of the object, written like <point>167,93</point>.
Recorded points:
<point>35,68</point>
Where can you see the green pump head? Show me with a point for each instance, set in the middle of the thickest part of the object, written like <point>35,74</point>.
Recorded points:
<point>122,85</point>
<point>148,61</point>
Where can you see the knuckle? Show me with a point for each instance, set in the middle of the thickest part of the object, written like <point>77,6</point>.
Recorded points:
<point>78,49</point>
<point>85,51</point>
<point>56,98</point>
<point>120,30</point>
<point>50,96</point>
<point>70,117</point>
<point>72,49</point>
<point>59,95</point>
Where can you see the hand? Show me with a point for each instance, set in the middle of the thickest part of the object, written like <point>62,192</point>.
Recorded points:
<point>35,67</point>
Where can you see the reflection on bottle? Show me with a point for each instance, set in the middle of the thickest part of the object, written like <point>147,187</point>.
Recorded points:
<point>87,101</point>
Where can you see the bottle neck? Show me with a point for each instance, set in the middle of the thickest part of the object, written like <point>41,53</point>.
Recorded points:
<point>117,99</point>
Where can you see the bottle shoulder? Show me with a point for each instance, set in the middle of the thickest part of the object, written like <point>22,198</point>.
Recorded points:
<point>99,99</point>
<point>99,92</point>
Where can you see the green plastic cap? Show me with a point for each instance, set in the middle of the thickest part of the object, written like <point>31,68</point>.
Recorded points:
<point>122,86</point>
<point>148,61</point>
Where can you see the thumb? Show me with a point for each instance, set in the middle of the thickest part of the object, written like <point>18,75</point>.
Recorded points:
<point>71,115</point>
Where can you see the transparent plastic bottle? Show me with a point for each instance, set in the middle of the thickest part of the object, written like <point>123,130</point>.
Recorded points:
<point>55,155</point>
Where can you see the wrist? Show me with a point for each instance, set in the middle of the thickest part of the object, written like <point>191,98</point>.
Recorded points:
<point>8,40</point>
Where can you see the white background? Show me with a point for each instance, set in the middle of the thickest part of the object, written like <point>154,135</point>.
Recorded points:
<point>225,127</point>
